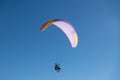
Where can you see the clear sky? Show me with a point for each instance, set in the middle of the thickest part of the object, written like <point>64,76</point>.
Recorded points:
<point>26,53</point>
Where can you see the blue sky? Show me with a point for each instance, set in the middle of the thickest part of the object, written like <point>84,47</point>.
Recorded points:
<point>26,53</point>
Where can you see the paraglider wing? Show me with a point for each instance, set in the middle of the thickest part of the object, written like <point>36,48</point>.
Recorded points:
<point>66,27</point>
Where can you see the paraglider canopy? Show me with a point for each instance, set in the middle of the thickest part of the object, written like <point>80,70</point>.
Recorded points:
<point>66,27</point>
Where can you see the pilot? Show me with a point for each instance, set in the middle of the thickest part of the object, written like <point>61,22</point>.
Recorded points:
<point>57,68</point>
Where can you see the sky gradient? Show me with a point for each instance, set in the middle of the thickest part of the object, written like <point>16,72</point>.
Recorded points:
<point>26,53</point>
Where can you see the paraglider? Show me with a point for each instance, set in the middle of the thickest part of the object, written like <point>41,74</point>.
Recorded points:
<point>66,27</point>
<point>69,31</point>
<point>57,68</point>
